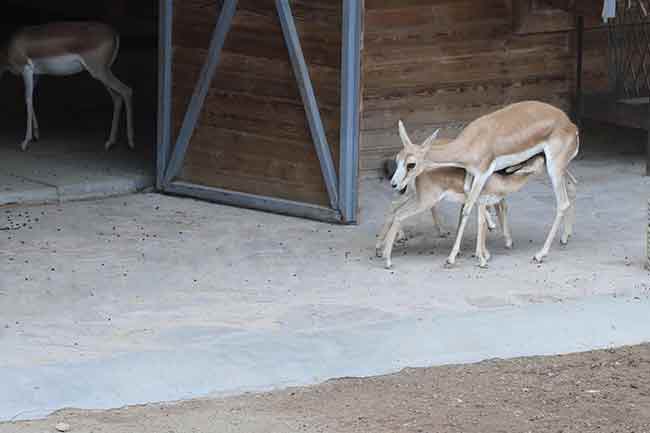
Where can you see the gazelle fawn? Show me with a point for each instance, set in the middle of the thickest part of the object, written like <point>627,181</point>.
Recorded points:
<point>62,49</point>
<point>493,142</point>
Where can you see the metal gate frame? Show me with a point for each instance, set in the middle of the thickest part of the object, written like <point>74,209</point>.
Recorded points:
<point>342,189</point>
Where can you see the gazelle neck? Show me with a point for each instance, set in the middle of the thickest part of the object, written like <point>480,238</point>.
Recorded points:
<point>448,155</point>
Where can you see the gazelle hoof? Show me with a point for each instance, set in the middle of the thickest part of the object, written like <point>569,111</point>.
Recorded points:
<point>483,265</point>
<point>379,252</point>
<point>131,144</point>
<point>537,258</point>
<point>108,145</point>
<point>564,240</point>
<point>24,145</point>
<point>508,245</point>
<point>388,265</point>
<point>448,264</point>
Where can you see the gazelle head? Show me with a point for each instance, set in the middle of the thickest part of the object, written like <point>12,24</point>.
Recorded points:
<point>409,159</point>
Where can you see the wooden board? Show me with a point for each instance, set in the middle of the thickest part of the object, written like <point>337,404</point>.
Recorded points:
<point>253,134</point>
<point>439,63</point>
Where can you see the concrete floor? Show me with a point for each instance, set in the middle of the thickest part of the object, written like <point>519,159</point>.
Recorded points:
<point>149,298</point>
<point>65,166</point>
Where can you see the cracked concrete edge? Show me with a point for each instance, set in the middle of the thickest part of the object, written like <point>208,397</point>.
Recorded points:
<point>104,188</point>
<point>48,194</point>
<point>264,360</point>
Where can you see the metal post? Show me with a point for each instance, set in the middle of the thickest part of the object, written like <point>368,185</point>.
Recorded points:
<point>647,150</point>
<point>165,23</point>
<point>578,102</point>
<point>350,109</point>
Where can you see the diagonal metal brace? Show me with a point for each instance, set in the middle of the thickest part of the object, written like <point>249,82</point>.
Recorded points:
<point>201,91</point>
<point>308,99</point>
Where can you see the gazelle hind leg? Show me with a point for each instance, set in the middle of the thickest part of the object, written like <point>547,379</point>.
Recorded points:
<point>488,219</point>
<point>569,218</point>
<point>482,224</point>
<point>562,204</point>
<point>482,252</point>
<point>28,79</point>
<point>436,223</point>
<point>36,131</point>
<point>104,74</point>
<point>502,214</point>
<point>117,112</point>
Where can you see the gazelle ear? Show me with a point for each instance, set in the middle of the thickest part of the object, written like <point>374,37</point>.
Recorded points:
<point>406,141</point>
<point>433,136</point>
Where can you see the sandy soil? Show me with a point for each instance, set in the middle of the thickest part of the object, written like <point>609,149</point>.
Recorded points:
<point>604,391</point>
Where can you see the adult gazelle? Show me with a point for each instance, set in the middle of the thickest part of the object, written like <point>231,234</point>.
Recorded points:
<point>67,48</point>
<point>496,141</point>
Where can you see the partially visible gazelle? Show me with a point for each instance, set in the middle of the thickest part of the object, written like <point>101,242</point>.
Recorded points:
<point>67,48</point>
<point>493,142</point>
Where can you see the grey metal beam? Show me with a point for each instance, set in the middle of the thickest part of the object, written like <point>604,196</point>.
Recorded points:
<point>201,91</point>
<point>252,201</point>
<point>165,22</point>
<point>309,100</point>
<point>350,109</point>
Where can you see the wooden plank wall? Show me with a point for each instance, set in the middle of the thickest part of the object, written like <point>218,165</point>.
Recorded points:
<point>253,135</point>
<point>445,62</point>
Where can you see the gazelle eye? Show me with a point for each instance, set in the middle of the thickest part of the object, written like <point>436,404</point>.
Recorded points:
<point>410,166</point>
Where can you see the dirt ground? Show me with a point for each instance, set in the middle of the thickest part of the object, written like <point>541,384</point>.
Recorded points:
<point>603,391</point>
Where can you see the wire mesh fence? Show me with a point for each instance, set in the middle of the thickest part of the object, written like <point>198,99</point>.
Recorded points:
<point>629,54</point>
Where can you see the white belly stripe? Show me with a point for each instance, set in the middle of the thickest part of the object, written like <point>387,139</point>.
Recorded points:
<point>69,64</point>
<point>505,161</point>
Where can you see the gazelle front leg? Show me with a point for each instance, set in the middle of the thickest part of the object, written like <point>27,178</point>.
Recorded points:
<point>410,209</point>
<point>451,260</point>
<point>381,238</point>
<point>28,79</point>
<point>475,192</point>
